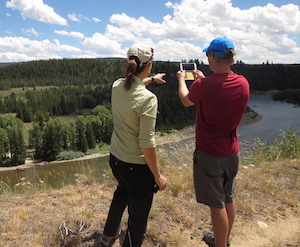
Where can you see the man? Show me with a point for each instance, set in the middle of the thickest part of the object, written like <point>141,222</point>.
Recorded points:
<point>221,100</point>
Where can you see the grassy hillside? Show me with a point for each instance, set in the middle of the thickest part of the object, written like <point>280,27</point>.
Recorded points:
<point>267,199</point>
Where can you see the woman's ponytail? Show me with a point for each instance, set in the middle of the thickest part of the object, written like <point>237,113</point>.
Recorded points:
<point>134,67</point>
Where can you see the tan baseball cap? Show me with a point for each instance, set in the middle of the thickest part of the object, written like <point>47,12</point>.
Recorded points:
<point>142,53</point>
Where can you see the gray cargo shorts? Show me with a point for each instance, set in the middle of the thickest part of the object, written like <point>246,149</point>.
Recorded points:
<point>214,178</point>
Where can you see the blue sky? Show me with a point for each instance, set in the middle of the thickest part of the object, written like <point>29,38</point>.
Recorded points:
<point>44,29</point>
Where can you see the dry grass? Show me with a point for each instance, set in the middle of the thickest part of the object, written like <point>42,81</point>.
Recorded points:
<point>266,192</point>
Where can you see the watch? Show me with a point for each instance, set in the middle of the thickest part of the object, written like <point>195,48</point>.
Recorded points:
<point>152,78</point>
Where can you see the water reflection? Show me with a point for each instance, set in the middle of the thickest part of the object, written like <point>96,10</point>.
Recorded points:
<point>57,175</point>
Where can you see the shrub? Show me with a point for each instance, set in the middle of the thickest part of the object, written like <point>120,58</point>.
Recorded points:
<point>69,155</point>
<point>288,147</point>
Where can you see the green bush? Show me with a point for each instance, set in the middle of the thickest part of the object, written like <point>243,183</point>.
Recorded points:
<point>288,147</point>
<point>101,148</point>
<point>69,155</point>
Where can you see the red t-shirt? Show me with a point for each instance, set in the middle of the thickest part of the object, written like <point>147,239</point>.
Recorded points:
<point>221,101</point>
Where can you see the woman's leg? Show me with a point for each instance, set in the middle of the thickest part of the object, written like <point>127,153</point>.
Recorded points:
<point>140,185</point>
<point>119,201</point>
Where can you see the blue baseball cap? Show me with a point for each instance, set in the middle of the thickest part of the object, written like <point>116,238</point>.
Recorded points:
<point>219,46</point>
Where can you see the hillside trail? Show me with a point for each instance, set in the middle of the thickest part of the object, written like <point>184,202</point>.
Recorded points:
<point>280,233</point>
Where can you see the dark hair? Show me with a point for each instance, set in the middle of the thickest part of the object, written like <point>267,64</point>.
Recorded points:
<point>134,67</point>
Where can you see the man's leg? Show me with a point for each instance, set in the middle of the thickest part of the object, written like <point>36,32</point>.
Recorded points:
<point>230,209</point>
<point>220,224</point>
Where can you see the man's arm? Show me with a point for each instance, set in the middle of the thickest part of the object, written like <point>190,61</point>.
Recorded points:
<point>183,90</point>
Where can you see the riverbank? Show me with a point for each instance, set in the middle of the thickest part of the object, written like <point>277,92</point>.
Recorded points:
<point>249,117</point>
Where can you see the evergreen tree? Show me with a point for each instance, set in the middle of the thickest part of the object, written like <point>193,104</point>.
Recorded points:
<point>52,139</point>
<point>90,136</point>
<point>3,144</point>
<point>17,146</point>
<point>13,140</point>
<point>36,139</point>
<point>106,128</point>
<point>81,142</point>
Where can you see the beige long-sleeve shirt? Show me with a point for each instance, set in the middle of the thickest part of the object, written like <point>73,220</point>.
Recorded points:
<point>134,117</point>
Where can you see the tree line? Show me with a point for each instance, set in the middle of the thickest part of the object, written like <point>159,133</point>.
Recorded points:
<point>76,84</point>
<point>291,96</point>
<point>61,87</point>
<point>80,72</point>
<point>48,137</point>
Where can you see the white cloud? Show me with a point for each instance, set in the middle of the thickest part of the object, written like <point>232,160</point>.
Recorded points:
<point>10,33</point>
<point>14,56</point>
<point>77,18</point>
<point>36,10</point>
<point>263,32</point>
<point>120,34</point>
<point>170,50</point>
<point>260,33</point>
<point>73,17</point>
<point>95,19</point>
<point>103,45</point>
<point>30,32</point>
<point>23,49</point>
<point>70,34</point>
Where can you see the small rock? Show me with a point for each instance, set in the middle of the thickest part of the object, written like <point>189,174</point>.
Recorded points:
<point>262,224</point>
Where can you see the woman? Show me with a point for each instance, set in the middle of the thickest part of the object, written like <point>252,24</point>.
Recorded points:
<point>133,156</point>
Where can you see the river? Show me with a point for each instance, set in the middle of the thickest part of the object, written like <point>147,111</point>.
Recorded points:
<point>276,117</point>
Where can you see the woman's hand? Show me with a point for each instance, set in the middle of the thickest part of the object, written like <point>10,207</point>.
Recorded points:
<point>158,78</point>
<point>161,182</point>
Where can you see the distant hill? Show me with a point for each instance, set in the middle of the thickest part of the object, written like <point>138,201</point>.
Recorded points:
<point>6,64</point>
<point>108,59</point>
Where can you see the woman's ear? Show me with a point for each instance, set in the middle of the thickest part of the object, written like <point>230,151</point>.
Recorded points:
<point>149,66</point>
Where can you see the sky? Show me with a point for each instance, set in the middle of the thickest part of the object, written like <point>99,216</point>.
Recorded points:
<point>262,30</point>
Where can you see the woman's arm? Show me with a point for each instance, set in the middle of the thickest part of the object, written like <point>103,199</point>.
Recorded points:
<point>158,78</point>
<point>152,161</point>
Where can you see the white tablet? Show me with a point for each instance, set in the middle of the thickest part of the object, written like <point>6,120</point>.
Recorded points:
<point>188,67</point>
